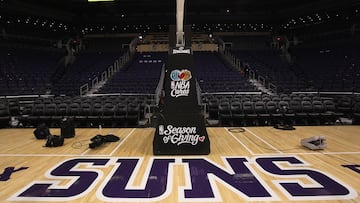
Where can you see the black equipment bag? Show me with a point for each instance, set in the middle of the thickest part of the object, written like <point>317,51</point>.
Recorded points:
<point>54,141</point>
<point>67,128</point>
<point>41,131</point>
<point>111,138</point>
<point>101,139</point>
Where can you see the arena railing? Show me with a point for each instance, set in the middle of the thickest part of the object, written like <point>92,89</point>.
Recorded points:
<point>240,65</point>
<point>106,74</point>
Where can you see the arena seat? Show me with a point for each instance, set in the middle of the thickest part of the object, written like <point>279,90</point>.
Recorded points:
<point>61,110</point>
<point>225,116</point>
<point>356,113</point>
<point>108,114</point>
<point>4,114</point>
<point>236,112</point>
<point>262,115</point>
<point>120,114</point>
<point>249,114</point>
<point>133,114</point>
<point>96,114</point>
<point>49,115</point>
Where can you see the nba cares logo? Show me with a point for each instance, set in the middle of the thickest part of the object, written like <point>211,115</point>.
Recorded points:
<point>180,75</point>
<point>180,84</point>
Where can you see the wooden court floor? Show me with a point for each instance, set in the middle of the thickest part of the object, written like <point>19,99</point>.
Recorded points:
<point>261,164</point>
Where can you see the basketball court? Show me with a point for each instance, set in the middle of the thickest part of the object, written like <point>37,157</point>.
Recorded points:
<point>260,164</point>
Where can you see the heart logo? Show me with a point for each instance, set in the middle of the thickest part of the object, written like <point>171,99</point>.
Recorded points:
<point>202,138</point>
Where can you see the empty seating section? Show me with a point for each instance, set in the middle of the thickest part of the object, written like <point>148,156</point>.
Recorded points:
<point>108,111</point>
<point>315,68</point>
<point>228,109</point>
<point>329,68</point>
<point>268,64</point>
<point>141,75</point>
<point>214,75</point>
<point>294,109</point>
<point>26,71</point>
<point>227,95</point>
<point>86,67</point>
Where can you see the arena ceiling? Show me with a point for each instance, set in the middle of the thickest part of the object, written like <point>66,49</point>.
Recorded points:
<point>163,11</point>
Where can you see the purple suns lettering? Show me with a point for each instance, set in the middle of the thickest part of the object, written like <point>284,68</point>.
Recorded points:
<point>202,177</point>
<point>355,168</point>
<point>155,186</point>
<point>240,178</point>
<point>5,176</point>
<point>82,180</point>
<point>322,185</point>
